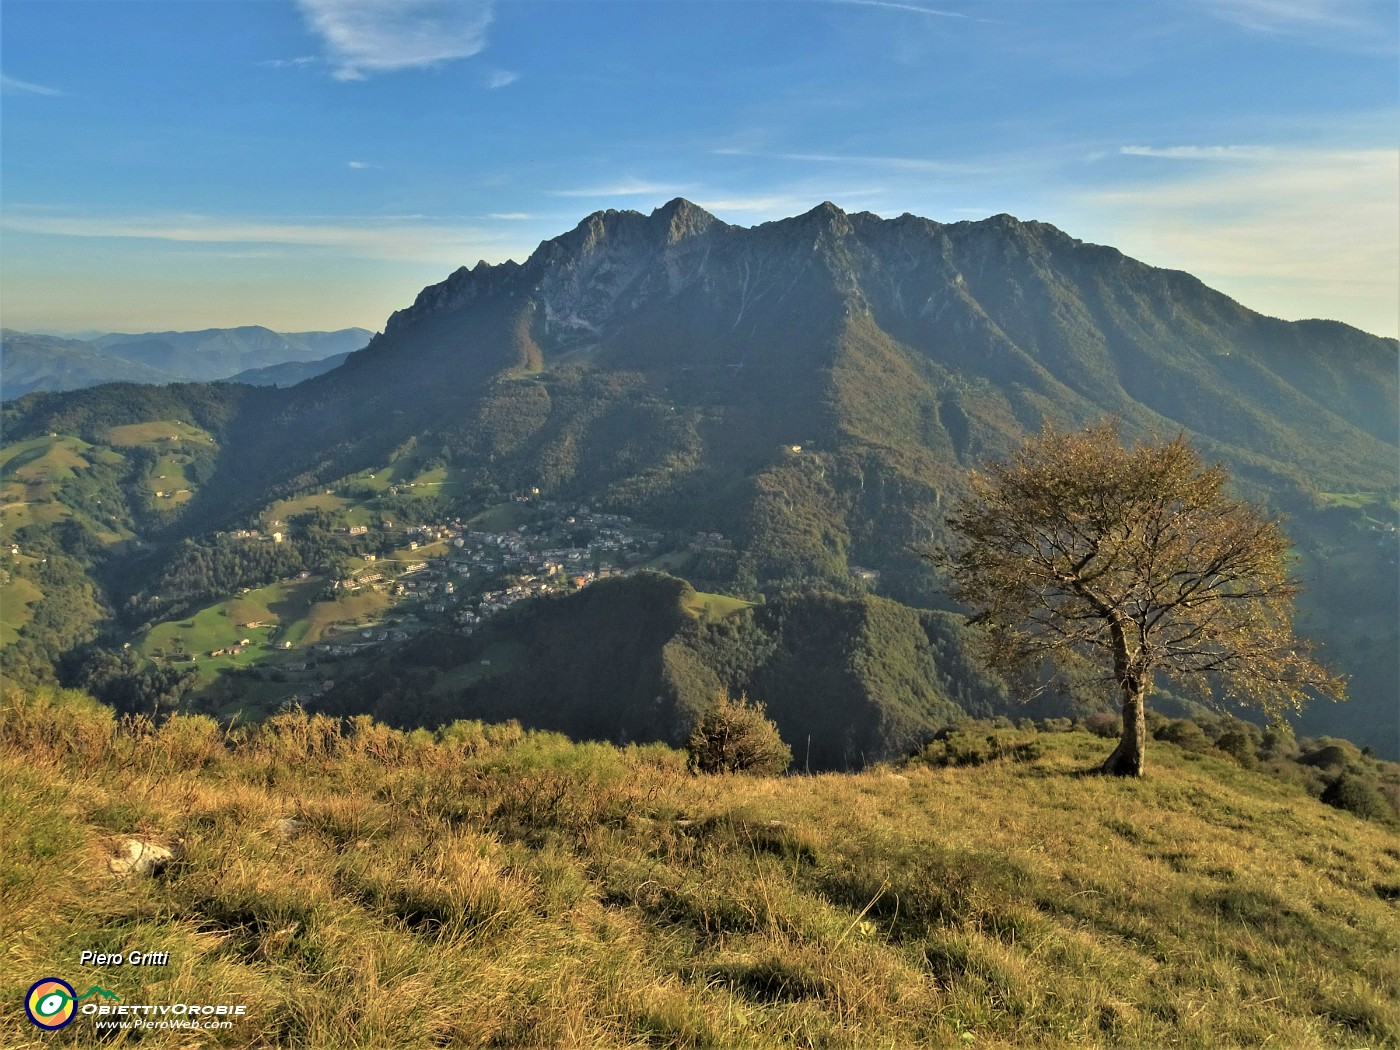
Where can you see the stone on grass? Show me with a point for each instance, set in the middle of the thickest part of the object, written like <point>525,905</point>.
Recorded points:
<point>140,858</point>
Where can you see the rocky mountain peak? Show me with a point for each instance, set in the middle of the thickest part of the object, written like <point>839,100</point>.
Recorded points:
<point>683,219</point>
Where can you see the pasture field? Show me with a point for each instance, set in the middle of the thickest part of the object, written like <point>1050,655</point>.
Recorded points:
<point>15,516</point>
<point>287,612</point>
<point>500,518</point>
<point>497,659</point>
<point>46,459</point>
<point>166,431</point>
<point>17,596</point>
<point>355,886</point>
<point>285,509</point>
<point>169,481</point>
<point>714,607</point>
<point>34,472</point>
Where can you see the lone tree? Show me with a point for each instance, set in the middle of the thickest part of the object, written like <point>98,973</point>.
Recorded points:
<point>1080,554</point>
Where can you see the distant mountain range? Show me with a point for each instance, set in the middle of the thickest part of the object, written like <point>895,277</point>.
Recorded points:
<point>44,362</point>
<point>814,390</point>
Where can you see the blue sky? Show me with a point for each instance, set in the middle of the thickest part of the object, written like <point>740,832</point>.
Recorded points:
<point>313,164</point>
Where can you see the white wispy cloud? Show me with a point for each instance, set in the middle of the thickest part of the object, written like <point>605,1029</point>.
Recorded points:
<point>12,86</point>
<point>290,63</point>
<point>1199,152</point>
<point>378,36</point>
<point>781,203</point>
<point>1296,232</point>
<point>1276,16</point>
<point>916,164</point>
<point>1358,26</point>
<point>510,216</point>
<point>500,78</point>
<point>893,5</point>
<point>623,188</point>
<point>360,165</point>
<point>397,238</point>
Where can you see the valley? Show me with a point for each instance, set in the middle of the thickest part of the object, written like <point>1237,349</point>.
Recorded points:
<point>758,430</point>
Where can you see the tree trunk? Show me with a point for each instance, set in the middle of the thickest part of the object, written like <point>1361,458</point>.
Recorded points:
<point>1126,760</point>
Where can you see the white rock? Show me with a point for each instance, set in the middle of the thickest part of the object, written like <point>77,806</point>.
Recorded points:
<point>140,858</point>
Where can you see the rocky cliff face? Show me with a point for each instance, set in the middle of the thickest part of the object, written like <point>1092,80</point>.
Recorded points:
<point>904,270</point>
<point>1057,326</point>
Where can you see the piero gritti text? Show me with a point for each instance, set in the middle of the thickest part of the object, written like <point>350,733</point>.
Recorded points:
<point>132,958</point>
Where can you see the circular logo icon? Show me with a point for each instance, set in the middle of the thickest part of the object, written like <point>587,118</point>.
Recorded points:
<point>51,1003</point>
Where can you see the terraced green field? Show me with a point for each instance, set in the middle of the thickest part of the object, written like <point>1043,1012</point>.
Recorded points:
<point>17,596</point>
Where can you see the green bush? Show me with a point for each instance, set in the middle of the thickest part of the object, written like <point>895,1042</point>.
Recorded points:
<point>971,744</point>
<point>1329,753</point>
<point>1359,795</point>
<point>1105,724</point>
<point>1185,734</point>
<point>735,736</point>
<point>1241,745</point>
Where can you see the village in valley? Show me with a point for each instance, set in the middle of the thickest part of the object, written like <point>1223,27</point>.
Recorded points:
<point>292,640</point>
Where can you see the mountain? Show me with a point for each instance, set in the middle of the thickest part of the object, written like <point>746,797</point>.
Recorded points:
<point>289,373</point>
<point>218,353</point>
<point>808,393</point>
<point>44,362</point>
<point>41,362</point>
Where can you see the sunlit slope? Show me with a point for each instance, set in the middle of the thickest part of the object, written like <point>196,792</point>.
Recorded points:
<point>360,887</point>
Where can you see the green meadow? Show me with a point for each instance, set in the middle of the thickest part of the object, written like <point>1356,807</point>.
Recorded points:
<point>355,886</point>
<point>17,597</point>
<point>286,612</point>
<point>33,472</point>
<point>161,430</point>
<point>714,607</point>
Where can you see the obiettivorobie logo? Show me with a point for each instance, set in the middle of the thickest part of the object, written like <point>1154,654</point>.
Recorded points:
<point>51,1003</point>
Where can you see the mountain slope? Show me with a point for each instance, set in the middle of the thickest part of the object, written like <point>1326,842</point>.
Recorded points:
<point>218,353</point>
<point>289,373</point>
<point>48,363</point>
<point>814,390</point>
<point>857,679</point>
<point>44,362</point>
<point>353,886</point>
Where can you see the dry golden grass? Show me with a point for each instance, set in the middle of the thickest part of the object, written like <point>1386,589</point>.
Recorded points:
<point>354,886</point>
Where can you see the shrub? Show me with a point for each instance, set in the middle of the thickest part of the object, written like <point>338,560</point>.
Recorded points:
<point>970,744</point>
<point>1359,795</point>
<point>1277,741</point>
<point>1241,745</point>
<point>735,736</point>
<point>1105,724</point>
<point>186,742</point>
<point>1185,734</point>
<point>1330,753</point>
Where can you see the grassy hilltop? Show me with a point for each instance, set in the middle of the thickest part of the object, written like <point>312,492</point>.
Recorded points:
<point>355,886</point>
